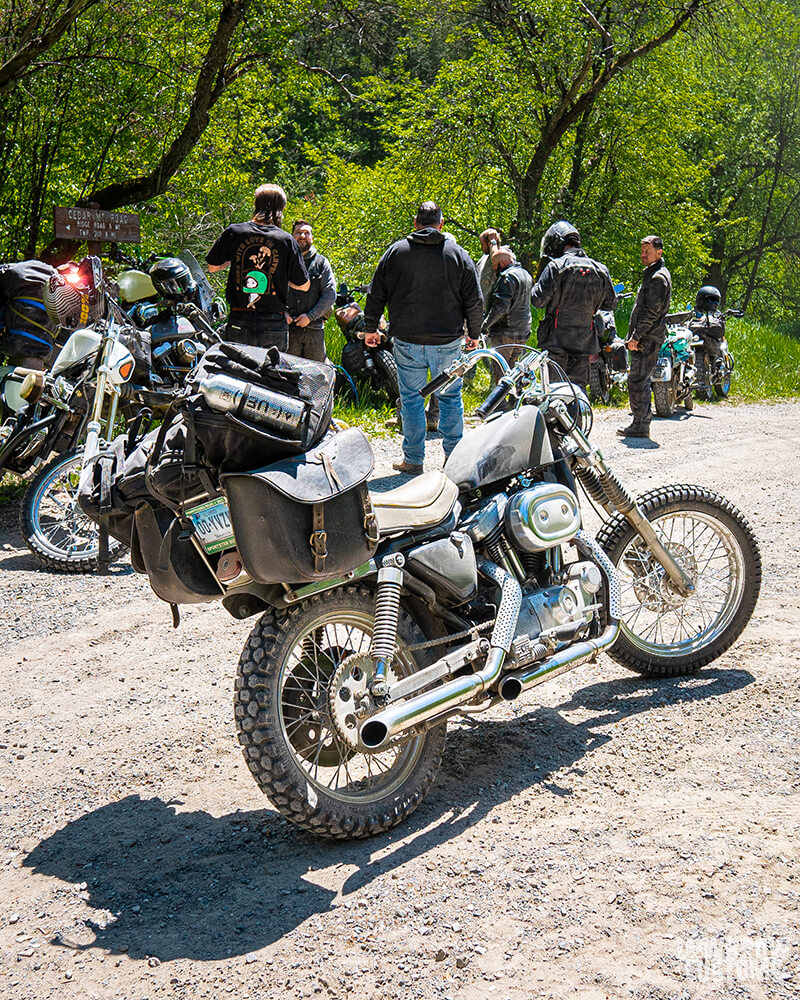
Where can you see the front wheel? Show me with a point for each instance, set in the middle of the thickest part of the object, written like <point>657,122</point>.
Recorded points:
<point>662,632</point>
<point>54,527</point>
<point>664,397</point>
<point>301,688</point>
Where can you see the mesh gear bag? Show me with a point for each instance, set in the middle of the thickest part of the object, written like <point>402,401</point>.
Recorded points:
<point>27,330</point>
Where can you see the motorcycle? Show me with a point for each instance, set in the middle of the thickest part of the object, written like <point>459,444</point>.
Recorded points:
<point>692,361</point>
<point>102,372</point>
<point>483,585</point>
<point>374,365</point>
<point>172,299</point>
<point>609,368</point>
<point>714,362</point>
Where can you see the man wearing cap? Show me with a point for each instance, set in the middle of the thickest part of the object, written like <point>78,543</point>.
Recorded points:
<point>646,332</point>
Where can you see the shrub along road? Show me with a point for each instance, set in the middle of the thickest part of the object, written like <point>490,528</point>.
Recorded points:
<point>609,837</point>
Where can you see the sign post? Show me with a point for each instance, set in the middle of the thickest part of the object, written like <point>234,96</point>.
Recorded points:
<point>96,226</point>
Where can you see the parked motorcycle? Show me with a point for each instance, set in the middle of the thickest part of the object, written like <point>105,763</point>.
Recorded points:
<point>693,360</point>
<point>374,365</point>
<point>103,371</point>
<point>713,358</point>
<point>609,368</point>
<point>483,584</point>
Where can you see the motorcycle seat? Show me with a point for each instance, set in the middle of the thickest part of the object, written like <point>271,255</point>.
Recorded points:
<point>423,502</point>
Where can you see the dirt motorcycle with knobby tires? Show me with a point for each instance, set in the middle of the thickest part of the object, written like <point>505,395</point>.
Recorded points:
<point>484,583</point>
<point>103,373</point>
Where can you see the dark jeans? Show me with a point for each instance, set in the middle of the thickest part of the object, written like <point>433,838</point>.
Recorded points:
<point>576,366</point>
<point>643,361</point>
<point>255,329</point>
<point>307,342</point>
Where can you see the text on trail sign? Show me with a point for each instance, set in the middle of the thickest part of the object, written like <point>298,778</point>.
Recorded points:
<point>96,225</point>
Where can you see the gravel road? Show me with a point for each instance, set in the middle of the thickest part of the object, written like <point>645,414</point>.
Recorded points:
<point>606,837</point>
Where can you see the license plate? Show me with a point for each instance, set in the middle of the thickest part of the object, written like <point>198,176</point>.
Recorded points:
<point>212,522</point>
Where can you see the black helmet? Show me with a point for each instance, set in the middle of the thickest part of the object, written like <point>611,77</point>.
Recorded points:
<point>556,238</point>
<point>172,278</point>
<point>707,299</point>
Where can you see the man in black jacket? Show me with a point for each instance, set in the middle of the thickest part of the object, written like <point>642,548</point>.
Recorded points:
<point>646,332</point>
<point>309,310</point>
<point>508,310</point>
<point>571,289</point>
<point>431,287</point>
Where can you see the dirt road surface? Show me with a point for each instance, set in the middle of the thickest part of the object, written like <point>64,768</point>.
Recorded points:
<point>609,837</point>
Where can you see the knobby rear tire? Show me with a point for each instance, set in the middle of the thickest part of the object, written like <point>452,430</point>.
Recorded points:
<point>279,690</point>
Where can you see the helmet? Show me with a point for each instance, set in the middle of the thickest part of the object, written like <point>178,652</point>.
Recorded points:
<point>73,295</point>
<point>707,299</point>
<point>556,238</point>
<point>173,279</point>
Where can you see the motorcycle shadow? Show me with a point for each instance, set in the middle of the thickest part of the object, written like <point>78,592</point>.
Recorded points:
<point>175,884</point>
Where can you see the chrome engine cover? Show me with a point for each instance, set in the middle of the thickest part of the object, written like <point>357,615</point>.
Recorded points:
<point>543,516</point>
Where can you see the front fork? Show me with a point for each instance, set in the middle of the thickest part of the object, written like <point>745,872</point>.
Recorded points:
<point>603,485</point>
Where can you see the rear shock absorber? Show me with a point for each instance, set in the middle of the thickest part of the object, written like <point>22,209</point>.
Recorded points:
<point>387,609</point>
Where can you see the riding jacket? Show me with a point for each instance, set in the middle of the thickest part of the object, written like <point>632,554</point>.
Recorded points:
<point>571,290</point>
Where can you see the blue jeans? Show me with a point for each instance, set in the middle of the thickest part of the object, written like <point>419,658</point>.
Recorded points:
<point>413,362</point>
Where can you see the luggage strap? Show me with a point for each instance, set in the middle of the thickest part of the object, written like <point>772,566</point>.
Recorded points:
<point>319,537</point>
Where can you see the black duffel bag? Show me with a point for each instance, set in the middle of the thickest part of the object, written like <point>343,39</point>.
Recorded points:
<point>307,518</point>
<point>229,442</point>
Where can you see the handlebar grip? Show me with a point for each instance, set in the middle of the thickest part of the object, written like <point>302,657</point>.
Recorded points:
<point>493,400</point>
<point>435,383</point>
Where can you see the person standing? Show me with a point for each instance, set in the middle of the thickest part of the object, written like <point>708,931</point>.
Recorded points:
<point>646,332</point>
<point>430,287</point>
<point>508,310</point>
<point>265,262</point>
<point>571,288</point>
<point>309,310</point>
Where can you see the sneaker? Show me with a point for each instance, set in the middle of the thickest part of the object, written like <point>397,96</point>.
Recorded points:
<point>634,430</point>
<point>408,468</point>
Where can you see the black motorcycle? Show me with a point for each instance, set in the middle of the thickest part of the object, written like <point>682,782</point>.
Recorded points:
<point>374,366</point>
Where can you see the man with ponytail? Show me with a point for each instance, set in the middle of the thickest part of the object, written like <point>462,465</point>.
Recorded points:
<point>264,262</point>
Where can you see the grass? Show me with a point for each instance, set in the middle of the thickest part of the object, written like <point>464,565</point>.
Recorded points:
<point>11,486</point>
<point>767,362</point>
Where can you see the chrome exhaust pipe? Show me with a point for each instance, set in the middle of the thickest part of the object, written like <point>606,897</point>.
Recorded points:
<point>515,683</point>
<point>386,724</point>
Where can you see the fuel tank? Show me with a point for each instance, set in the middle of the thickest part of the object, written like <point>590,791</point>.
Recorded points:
<point>503,446</point>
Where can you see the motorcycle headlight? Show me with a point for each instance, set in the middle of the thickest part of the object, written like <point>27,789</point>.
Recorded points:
<point>576,402</point>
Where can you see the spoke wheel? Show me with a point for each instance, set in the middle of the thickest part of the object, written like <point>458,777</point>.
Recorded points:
<point>599,391</point>
<point>55,528</point>
<point>664,632</point>
<point>722,384</point>
<point>301,677</point>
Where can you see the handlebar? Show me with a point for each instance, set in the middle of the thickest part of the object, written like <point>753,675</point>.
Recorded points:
<point>435,383</point>
<point>494,399</point>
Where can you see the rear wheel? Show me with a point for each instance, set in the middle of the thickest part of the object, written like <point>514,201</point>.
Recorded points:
<point>723,386</point>
<point>386,369</point>
<point>664,633</point>
<point>301,686</point>
<point>664,397</point>
<point>704,390</point>
<point>55,528</point>
<point>599,391</point>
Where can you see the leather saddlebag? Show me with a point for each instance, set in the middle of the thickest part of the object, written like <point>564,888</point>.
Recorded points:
<point>306,518</point>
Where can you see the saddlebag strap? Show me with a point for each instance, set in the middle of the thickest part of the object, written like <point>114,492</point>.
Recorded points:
<point>319,537</point>
<point>371,529</point>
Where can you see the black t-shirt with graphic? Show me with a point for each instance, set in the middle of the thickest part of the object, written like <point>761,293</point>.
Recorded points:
<point>264,259</point>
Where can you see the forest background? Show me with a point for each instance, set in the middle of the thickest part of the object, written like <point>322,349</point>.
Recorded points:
<point>679,117</point>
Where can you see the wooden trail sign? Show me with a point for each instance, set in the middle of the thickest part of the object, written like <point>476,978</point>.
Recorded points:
<point>96,226</point>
